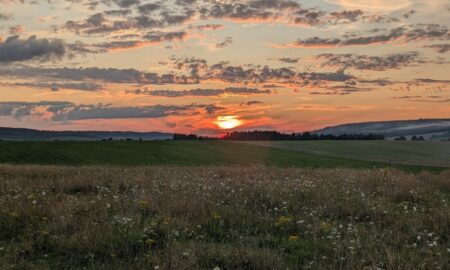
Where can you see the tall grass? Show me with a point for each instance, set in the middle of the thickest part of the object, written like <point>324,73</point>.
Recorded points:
<point>167,217</point>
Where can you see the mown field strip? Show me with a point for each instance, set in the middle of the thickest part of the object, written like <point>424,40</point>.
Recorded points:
<point>408,153</point>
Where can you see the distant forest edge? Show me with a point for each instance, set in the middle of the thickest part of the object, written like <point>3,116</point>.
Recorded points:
<point>260,135</point>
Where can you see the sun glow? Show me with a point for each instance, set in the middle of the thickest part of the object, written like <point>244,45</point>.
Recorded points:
<point>227,122</point>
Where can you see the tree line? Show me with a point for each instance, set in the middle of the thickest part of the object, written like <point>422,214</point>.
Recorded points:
<point>259,135</point>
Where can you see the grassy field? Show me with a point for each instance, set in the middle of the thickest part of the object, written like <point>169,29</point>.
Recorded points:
<point>400,152</point>
<point>133,153</point>
<point>221,217</point>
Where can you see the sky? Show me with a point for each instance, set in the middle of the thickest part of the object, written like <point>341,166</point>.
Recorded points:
<point>213,66</point>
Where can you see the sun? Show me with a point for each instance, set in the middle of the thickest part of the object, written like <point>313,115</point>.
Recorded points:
<point>228,122</point>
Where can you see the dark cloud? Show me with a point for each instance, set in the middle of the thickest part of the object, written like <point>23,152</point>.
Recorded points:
<point>149,7</point>
<point>151,38</point>
<point>365,62</point>
<point>289,60</point>
<point>204,27</point>
<point>19,110</point>
<point>81,86</point>
<point>406,97</point>
<point>421,80</point>
<point>408,33</point>
<point>250,103</point>
<point>440,48</point>
<point>110,75</point>
<point>14,49</point>
<point>200,92</point>
<point>124,3</point>
<point>118,12</point>
<point>432,100</point>
<point>143,16</point>
<point>341,90</point>
<point>5,16</point>
<point>68,111</point>
<point>225,43</point>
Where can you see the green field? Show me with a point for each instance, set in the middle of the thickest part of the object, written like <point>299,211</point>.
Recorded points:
<point>134,153</point>
<point>400,152</point>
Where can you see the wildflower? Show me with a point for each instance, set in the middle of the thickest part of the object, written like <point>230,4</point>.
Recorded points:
<point>142,204</point>
<point>44,232</point>
<point>293,238</point>
<point>325,226</point>
<point>13,215</point>
<point>283,221</point>
<point>216,216</point>
<point>149,241</point>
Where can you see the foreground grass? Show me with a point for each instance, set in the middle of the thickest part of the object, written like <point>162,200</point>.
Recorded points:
<point>167,217</point>
<point>174,153</point>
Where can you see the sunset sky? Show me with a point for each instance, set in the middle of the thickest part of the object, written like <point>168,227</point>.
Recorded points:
<point>207,66</point>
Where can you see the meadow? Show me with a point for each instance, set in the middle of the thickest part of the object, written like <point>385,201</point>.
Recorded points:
<point>222,217</point>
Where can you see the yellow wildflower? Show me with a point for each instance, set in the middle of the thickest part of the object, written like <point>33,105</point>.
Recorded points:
<point>325,226</point>
<point>283,221</point>
<point>142,204</point>
<point>167,221</point>
<point>149,242</point>
<point>216,216</point>
<point>293,238</point>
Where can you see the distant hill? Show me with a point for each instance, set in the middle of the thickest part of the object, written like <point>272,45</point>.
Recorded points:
<point>434,129</point>
<point>20,134</point>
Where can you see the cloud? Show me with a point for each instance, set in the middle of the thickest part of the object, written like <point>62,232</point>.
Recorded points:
<point>206,27</point>
<point>16,29</point>
<point>81,86</point>
<point>365,62</point>
<point>111,75</point>
<point>373,5</point>
<point>341,90</point>
<point>149,39</point>
<point>410,33</point>
<point>68,111</point>
<point>200,92</point>
<point>440,48</point>
<point>14,49</point>
<point>146,16</point>
<point>252,102</point>
<point>225,43</point>
<point>5,16</point>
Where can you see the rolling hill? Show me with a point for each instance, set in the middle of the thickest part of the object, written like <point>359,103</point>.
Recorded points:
<point>23,134</point>
<point>434,129</point>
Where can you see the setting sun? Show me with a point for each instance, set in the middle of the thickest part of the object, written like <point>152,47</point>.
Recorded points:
<point>227,122</point>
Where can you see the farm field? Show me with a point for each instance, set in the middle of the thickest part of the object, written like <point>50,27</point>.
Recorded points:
<point>221,217</point>
<point>400,152</point>
<point>135,153</point>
